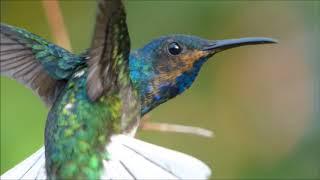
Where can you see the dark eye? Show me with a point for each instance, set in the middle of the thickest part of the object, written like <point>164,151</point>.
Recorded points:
<point>174,48</point>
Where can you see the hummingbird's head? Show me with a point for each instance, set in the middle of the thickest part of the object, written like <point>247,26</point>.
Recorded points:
<point>167,66</point>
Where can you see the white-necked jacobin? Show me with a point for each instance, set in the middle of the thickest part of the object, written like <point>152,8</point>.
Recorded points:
<point>105,90</point>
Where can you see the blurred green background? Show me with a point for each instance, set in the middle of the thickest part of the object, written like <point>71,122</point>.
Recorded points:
<point>262,102</point>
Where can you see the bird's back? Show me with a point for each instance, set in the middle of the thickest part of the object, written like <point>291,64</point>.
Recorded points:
<point>78,129</point>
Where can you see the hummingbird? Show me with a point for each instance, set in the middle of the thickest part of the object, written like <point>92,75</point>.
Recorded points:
<point>96,98</point>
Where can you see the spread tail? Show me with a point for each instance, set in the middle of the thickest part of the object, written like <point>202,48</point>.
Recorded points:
<point>129,158</point>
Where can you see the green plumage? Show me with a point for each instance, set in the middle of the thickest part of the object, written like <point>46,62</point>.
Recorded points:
<point>77,131</point>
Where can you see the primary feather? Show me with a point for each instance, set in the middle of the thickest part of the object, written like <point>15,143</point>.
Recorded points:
<point>36,63</point>
<point>109,52</point>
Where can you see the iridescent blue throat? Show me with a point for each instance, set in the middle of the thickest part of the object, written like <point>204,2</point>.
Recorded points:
<point>153,85</point>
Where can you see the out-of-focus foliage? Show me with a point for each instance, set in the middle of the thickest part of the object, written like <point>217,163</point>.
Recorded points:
<point>262,102</point>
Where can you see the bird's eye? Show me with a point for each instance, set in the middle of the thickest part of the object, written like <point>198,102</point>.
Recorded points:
<point>174,48</point>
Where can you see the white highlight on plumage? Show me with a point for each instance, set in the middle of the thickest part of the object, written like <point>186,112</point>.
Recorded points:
<point>79,73</point>
<point>130,158</point>
<point>68,106</point>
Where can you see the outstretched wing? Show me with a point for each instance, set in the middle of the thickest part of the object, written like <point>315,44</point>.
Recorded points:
<point>34,62</point>
<point>109,51</point>
<point>130,158</point>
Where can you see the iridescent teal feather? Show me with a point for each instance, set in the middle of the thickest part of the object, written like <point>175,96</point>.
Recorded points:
<point>56,61</point>
<point>78,129</point>
<point>40,65</point>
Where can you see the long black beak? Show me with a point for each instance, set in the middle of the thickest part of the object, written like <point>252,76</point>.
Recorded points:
<point>220,45</point>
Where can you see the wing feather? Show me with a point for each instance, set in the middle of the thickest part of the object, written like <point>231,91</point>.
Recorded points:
<point>109,50</point>
<point>34,62</point>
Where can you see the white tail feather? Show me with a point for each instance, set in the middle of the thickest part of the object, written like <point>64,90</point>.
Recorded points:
<point>30,168</point>
<point>129,159</point>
